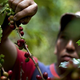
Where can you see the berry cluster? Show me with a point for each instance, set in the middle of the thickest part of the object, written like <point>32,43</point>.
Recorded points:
<point>45,76</point>
<point>27,55</point>
<point>6,75</point>
<point>11,22</point>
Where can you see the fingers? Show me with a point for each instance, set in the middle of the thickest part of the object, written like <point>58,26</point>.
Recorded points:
<point>24,9</point>
<point>23,4</point>
<point>14,3</point>
<point>26,12</point>
<point>25,20</point>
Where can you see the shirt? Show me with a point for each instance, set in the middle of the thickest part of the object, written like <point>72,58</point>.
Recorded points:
<point>27,71</point>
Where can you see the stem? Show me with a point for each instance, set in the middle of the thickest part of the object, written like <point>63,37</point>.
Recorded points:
<point>25,47</point>
<point>34,62</point>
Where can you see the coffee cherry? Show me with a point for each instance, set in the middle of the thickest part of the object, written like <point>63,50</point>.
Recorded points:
<point>3,78</point>
<point>48,78</point>
<point>20,28</point>
<point>26,55</point>
<point>45,75</point>
<point>20,42</point>
<point>5,74</point>
<point>12,27</point>
<point>11,22</point>
<point>10,72</point>
<point>27,60</point>
<point>8,19</point>
<point>22,33</point>
<point>38,77</point>
<point>11,17</point>
<point>75,75</point>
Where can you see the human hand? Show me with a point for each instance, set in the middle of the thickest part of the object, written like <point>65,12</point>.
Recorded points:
<point>24,10</point>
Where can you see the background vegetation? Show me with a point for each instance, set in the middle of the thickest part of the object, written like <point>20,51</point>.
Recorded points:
<point>42,30</point>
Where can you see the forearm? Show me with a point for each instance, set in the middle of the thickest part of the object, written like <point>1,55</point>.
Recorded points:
<point>6,30</point>
<point>8,49</point>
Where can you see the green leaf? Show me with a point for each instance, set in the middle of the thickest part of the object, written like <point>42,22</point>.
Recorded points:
<point>2,17</point>
<point>27,60</point>
<point>2,61</point>
<point>2,1</point>
<point>0,34</point>
<point>78,42</point>
<point>2,56</point>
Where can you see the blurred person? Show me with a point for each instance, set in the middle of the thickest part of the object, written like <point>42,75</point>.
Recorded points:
<point>65,48</point>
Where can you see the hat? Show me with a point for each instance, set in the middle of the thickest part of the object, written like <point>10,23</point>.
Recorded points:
<point>66,18</point>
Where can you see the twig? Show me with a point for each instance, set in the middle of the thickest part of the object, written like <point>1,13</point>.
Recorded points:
<point>25,47</point>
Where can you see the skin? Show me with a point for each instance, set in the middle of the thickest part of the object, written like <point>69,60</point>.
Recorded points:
<point>66,46</point>
<point>24,9</point>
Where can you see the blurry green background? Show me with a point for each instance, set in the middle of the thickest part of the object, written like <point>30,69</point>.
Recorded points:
<point>41,31</point>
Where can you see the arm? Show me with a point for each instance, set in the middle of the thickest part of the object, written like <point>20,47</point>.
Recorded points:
<point>24,9</point>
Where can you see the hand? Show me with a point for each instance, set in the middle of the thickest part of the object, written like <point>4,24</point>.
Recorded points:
<point>24,10</point>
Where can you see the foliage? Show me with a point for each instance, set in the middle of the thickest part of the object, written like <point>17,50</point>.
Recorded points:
<point>1,58</point>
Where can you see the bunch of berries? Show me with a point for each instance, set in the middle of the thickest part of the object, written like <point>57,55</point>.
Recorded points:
<point>6,75</point>
<point>45,76</point>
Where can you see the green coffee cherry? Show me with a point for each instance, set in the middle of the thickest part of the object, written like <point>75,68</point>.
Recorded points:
<point>27,60</point>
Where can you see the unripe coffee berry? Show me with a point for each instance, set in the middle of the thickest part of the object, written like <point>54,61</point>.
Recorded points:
<point>11,17</point>
<point>3,78</point>
<point>5,74</point>
<point>75,75</point>
<point>27,60</point>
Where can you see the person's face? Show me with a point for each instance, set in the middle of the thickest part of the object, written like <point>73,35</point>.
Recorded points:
<point>66,46</point>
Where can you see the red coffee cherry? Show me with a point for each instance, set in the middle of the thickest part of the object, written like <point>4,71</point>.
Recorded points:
<point>22,33</point>
<point>38,77</point>
<point>12,27</point>
<point>26,55</point>
<point>20,42</point>
<point>48,78</point>
<point>20,28</point>
<point>10,72</point>
<point>45,75</point>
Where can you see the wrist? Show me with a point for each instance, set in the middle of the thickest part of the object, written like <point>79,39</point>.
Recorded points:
<point>6,29</point>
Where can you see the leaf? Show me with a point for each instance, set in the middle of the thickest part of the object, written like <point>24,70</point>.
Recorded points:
<point>0,33</point>
<point>2,15</point>
<point>2,1</point>
<point>78,42</point>
<point>2,56</point>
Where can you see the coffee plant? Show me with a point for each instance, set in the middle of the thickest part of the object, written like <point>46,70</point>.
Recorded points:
<point>72,68</point>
